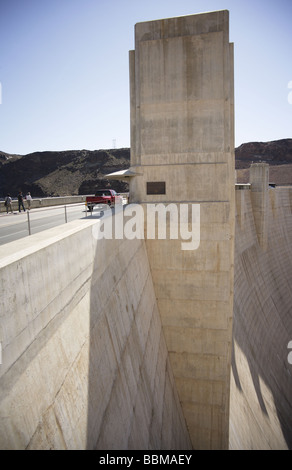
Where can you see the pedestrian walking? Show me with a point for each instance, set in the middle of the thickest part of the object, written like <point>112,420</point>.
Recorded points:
<point>28,199</point>
<point>20,201</point>
<point>8,203</point>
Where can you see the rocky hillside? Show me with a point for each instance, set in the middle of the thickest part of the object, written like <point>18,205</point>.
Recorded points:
<point>277,153</point>
<point>61,173</point>
<point>75,172</point>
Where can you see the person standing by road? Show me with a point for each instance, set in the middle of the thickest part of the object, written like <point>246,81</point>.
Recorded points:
<point>29,199</point>
<point>8,203</point>
<point>20,201</point>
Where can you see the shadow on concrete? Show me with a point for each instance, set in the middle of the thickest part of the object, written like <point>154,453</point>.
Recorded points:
<point>262,328</point>
<point>132,397</point>
<point>103,356</point>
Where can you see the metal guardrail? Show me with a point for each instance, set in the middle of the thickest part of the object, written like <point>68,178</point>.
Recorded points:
<point>51,209</point>
<point>39,203</point>
<point>60,208</point>
<point>65,207</point>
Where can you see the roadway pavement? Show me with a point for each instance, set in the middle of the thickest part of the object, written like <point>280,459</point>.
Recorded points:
<point>15,226</point>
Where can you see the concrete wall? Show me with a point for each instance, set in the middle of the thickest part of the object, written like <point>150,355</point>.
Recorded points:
<point>84,360</point>
<point>261,383</point>
<point>46,202</point>
<point>181,75</point>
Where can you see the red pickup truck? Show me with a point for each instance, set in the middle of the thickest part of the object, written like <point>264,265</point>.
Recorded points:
<point>103,196</point>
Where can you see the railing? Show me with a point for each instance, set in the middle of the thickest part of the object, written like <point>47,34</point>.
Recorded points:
<point>39,203</point>
<point>34,223</point>
<point>44,211</point>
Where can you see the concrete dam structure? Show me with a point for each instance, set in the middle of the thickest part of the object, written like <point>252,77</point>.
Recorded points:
<point>113,336</point>
<point>261,380</point>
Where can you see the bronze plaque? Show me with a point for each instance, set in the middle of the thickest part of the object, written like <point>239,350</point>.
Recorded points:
<point>156,187</point>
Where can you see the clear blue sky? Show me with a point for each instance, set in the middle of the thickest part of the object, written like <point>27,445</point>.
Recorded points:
<point>64,70</point>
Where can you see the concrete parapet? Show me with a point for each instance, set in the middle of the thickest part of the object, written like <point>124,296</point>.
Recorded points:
<point>84,359</point>
<point>46,202</point>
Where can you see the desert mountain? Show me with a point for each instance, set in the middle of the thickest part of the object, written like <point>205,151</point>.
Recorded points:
<point>63,173</point>
<point>277,153</point>
<point>75,172</point>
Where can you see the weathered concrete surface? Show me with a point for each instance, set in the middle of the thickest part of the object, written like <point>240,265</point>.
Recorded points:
<point>181,75</point>
<point>259,181</point>
<point>261,384</point>
<point>84,360</point>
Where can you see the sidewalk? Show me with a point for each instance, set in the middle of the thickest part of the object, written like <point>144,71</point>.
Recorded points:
<point>3,214</point>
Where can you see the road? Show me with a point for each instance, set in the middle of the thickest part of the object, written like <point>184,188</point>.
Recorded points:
<point>15,226</point>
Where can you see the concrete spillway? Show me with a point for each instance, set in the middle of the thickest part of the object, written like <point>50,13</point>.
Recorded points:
<point>261,383</point>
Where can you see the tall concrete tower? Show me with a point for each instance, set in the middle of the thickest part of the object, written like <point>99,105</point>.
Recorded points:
<point>182,151</point>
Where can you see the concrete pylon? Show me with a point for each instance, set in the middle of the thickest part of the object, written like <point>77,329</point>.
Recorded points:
<point>259,180</point>
<point>182,149</point>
